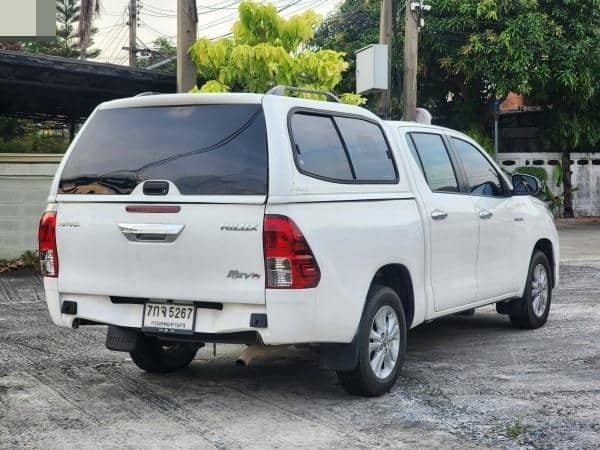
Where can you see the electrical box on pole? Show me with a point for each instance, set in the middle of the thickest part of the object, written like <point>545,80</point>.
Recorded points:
<point>372,68</point>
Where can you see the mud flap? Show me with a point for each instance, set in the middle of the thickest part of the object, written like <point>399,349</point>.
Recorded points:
<point>342,357</point>
<point>510,307</point>
<point>121,339</point>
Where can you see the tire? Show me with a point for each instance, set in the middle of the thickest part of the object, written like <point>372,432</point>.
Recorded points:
<point>382,303</point>
<point>156,356</point>
<point>532,310</point>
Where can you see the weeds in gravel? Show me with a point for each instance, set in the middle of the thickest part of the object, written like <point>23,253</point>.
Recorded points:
<point>515,429</point>
<point>29,261</point>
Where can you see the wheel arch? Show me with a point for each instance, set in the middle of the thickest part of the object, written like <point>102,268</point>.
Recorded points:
<point>398,278</point>
<point>545,246</point>
<point>395,276</point>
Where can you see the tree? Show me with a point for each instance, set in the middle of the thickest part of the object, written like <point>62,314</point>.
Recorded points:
<point>266,50</point>
<point>354,25</point>
<point>472,52</point>
<point>88,9</point>
<point>452,102</point>
<point>161,50</point>
<point>66,43</point>
<point>546,49</point>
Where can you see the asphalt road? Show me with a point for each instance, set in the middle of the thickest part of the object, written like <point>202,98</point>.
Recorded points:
<point>468,382</point>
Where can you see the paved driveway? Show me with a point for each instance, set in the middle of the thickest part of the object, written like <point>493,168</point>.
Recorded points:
<point>468,382</point>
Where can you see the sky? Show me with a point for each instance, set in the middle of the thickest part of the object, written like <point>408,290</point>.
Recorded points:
<point>158,18</point>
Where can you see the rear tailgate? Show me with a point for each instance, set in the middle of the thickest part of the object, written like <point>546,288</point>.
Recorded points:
<point>201,240</point>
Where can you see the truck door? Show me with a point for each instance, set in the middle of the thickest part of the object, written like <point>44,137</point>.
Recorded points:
<point>452,222</point>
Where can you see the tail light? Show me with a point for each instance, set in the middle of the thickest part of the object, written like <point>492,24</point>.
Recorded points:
<point>289,261</point>
<point>47,244</point>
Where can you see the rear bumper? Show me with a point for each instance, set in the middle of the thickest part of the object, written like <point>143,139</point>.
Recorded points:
<point>290,315</point>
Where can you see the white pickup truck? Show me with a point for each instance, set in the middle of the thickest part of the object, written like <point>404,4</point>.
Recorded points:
<point>183,219</point>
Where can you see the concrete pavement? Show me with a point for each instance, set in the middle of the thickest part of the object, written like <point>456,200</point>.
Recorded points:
<point>468,382</point>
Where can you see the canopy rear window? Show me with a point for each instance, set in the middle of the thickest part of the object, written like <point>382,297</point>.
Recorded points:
<point>202,149</point>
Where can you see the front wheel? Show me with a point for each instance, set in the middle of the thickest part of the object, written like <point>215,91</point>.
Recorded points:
<point>156,356</point>
<point>533,310</point>
<point>382,344</point>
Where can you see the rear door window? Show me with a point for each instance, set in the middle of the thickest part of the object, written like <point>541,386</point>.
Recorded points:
<point>368,149</point>
<point>319,150</point>
<point>432,155</point>
<point>202,149</point>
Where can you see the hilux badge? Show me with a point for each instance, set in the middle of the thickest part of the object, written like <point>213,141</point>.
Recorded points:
<point>239,227</point>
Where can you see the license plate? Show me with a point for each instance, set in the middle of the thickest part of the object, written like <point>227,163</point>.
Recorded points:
<point>169,318</point>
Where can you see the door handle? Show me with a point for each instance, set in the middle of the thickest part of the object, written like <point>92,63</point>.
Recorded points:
<point>151,232</point>
<point>438,215</point>
<point>485,214</point>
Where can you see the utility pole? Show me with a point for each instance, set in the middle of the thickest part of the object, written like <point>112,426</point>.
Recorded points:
<point>411,49</point>
<point>132,33</point>
<point>384,104</point>
<point>187,30</point>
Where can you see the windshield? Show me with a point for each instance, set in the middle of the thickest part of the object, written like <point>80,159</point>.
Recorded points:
<point>202,149</point>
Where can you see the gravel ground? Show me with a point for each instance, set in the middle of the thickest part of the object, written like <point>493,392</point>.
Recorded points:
<point>468,382</point>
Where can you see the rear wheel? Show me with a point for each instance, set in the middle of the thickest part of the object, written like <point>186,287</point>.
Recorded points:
<point>156,356</point>
<point>533,310</point>
<point>382,344</point>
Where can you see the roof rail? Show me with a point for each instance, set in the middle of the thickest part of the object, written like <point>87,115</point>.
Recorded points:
<point>281,90</point>
<point>144,94</point>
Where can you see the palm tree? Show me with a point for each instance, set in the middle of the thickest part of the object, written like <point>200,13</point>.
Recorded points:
<point>88,9</point>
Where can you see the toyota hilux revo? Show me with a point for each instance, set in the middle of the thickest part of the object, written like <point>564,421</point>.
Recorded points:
<point>183,219</point>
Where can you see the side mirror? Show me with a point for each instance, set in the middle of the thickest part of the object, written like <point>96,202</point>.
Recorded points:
<point>525,184</point>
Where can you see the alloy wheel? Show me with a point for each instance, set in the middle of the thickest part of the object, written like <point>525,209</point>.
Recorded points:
<point>384,342</point>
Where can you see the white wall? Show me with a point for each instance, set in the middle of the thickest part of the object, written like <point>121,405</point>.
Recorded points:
<point>24,185</point>
<point>586,177</point>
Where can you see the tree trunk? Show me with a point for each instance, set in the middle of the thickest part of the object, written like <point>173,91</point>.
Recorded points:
<point>567,186</point>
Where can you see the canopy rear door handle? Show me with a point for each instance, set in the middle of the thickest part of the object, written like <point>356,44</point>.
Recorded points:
<point>438,215</point>
<point>151,232</point>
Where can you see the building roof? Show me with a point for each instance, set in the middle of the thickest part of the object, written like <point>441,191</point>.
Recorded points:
<point>50,87</point>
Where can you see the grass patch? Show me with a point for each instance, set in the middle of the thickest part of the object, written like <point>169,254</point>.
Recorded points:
<point>515,429</point>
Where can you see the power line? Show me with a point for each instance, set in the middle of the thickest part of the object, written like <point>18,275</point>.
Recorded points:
<point>218,13</point>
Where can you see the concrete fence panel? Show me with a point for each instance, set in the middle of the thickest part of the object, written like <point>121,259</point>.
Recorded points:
<point>24,184</point>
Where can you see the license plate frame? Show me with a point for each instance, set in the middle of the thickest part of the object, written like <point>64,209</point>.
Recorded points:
<point>160,318</point>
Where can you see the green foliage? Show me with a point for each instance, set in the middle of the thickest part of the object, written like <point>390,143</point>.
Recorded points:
<point>515,429</point>
<point>547,50</point>
<point>33,143</point>
<point>11,128</point>
<point>160,50</point>
<point>267,50</point>
<point>474,51</point>
<point>24,136</point>
<point>353,99</point>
